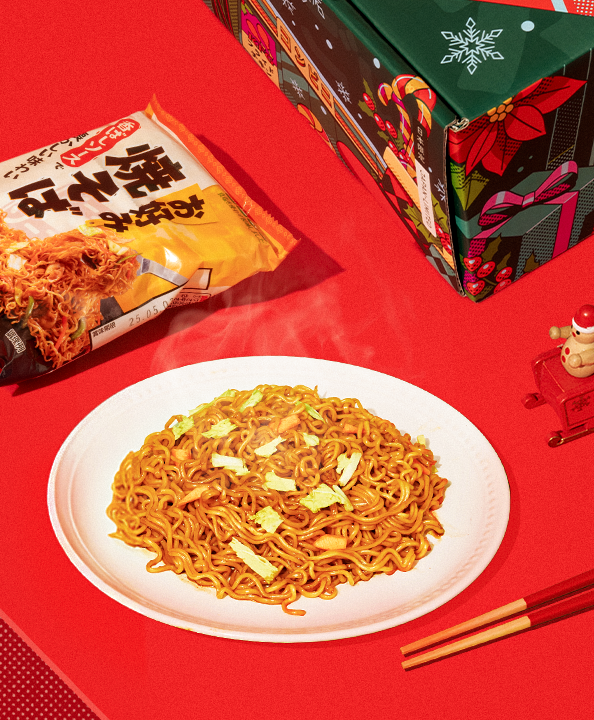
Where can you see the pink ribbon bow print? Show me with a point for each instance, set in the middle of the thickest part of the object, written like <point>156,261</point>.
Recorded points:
<point>555,190</point>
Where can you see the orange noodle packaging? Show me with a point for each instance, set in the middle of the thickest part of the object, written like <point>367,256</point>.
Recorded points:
<point>102,232</point>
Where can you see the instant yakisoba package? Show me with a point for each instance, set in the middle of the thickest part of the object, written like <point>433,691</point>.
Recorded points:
<point>102,232</point>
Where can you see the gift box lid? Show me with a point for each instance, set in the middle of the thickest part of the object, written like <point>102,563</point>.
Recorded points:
<point>475,54</point>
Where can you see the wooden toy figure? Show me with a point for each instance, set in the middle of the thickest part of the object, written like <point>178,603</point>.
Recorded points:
<point>577,353</point>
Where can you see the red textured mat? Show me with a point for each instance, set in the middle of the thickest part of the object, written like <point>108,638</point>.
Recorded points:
<point>30,689</point>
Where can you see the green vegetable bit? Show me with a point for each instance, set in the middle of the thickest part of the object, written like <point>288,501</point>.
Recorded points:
<point>253,399</point>
<point>81,327</point>
<point>314,413</point>
<point>29,309</point>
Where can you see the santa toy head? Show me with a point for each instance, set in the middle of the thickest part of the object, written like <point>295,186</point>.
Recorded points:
<point>583,321</point>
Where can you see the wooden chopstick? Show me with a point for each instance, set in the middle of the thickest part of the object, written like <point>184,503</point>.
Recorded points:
<point>556,611</point>
<point>542,597</point>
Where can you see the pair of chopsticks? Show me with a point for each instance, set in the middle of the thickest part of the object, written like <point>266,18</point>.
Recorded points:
<point>554,603</point>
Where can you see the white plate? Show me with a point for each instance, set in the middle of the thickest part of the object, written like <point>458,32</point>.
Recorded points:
<point>474,514</point>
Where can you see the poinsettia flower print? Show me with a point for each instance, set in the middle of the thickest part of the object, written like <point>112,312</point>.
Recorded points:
<point>495,137</point>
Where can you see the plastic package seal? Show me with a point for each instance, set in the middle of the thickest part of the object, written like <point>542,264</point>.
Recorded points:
<point>103,232</point>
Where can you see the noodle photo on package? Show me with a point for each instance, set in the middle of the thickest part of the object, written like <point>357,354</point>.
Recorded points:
<point>54,286</point>
<point>276,493</point>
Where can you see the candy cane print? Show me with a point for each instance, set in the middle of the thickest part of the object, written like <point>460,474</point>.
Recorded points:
<point>404,85</point>
<point>406,154</point>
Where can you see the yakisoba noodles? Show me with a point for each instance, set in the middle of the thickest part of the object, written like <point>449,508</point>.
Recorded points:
<point>55,285</point>
<point>275,494</point>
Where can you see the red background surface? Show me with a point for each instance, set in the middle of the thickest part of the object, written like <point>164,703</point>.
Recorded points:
<point>577,7</point>
<point>356,290</point>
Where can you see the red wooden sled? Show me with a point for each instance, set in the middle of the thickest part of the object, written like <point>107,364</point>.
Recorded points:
<point>570,397</point>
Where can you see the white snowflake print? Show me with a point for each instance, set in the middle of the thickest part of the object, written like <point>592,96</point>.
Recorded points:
<point>317,4</point>
<point>289,5</point>
<point>343,92</point>
<point>298,90</point>
<point>472,46</point>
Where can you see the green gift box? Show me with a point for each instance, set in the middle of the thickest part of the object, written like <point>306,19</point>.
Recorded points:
<point>435,105</point>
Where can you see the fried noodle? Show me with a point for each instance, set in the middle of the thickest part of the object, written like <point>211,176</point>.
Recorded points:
<point>55,285</point>
<point>392,496</point>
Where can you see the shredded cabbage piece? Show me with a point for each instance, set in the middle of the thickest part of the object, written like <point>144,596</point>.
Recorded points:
<point>345,501</point>
<point>16,246</point>
<point>229,463</point>
<point>202,406</point>
<point>347,466</point>
<point>15,262</point>
<point>220,429</point>
<point>275,482</point>
<point>268,518</point>
<point>258,564</point>
<point>187,422</point>
<point>324,496</point>
<point>270,447</point>
<point>182,427</point>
